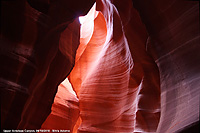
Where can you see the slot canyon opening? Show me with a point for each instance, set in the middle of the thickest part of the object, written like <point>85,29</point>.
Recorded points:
<point>125,66</point>
<point>65,109</point>
<point>104,88</point>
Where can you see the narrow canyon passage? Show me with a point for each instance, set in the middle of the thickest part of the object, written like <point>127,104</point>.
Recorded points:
<point>102,66</point>
<point>107,81</point>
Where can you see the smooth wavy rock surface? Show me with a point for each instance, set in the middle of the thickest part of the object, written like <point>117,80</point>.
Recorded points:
<point>127,66</point>
<point>174,45</point>
<point>111,87</point>
<point>32,66</point>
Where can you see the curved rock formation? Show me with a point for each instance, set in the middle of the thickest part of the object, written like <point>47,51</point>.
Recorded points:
<point>173,42</point>
<point>130,66</point>
<point>107,81</point>
<point>32,66</point>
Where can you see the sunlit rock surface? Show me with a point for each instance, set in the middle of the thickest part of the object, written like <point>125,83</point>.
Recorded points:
<point>65,109</point>
<point>134,69</point>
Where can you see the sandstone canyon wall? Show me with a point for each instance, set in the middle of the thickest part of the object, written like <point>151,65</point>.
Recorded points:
<point>129,66</point>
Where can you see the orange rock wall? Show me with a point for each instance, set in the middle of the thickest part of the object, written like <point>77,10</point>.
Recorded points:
<point>129,66</point>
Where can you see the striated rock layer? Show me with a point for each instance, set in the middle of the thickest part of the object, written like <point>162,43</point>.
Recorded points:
<point>173,42</point>
<point>94,74</point>
<point>32,66</point>
<point>117,87</point>
<point>128,66</point>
